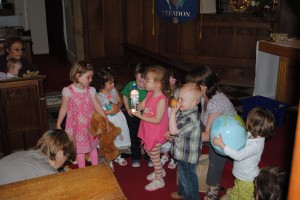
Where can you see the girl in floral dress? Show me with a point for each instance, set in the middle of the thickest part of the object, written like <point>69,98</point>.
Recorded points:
<point>78,103</point>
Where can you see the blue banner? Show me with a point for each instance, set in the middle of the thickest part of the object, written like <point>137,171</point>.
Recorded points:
<point>177,11</point>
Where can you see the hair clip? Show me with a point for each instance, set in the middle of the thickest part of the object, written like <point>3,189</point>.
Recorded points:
<point>172,80</point>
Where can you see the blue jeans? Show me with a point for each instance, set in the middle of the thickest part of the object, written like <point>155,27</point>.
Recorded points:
<point>188,180</point>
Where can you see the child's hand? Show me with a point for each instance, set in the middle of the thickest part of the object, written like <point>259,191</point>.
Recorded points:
<point>137,113</point>
<point>129,112</point>
<point>219,142</point>
<point>176,107</point>
<point>168,136</point>
<point>115,109</point>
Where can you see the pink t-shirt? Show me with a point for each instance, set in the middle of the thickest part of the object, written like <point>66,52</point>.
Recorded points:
<point>152,134</point>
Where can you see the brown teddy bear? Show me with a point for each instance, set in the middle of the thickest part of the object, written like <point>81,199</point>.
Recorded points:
<point>108,150</point>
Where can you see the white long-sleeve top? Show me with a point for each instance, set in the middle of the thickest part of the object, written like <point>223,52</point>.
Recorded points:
<point>246,160</point>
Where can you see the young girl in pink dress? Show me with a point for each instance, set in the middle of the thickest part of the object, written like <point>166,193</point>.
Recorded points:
<point>78,103</point>
<point>154,121</point>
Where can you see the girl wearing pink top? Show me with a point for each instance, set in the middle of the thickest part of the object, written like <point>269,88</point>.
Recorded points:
<point>154,121</point>
<point>78,103</point>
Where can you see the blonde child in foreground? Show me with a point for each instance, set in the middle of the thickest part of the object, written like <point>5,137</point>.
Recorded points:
<point>185,134</point>
<point>78,103</point>
<point>111,103</point>
<point>260,125</point>
<point>154,121</point>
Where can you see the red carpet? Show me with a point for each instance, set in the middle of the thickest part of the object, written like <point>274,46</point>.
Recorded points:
<point>277,152</point>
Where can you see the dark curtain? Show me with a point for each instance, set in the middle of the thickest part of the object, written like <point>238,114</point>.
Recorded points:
<point>54,14</point>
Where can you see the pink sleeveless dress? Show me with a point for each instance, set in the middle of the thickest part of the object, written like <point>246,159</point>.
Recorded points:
<point>152,134</point>
<point>79,115</point>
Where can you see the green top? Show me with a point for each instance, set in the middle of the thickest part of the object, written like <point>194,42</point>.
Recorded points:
<point>127,89</point>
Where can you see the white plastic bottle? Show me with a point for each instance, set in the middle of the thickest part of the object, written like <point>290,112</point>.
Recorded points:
<point>134,96</point>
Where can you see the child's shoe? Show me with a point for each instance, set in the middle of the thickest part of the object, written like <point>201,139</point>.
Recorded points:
<point>164,159</point>
<point>155,184</point>
<point>121,161</point>
<point>175,195</point>
<point>111,165</point>
<point>151,176</point>
<point>135,163</point>
<point>172,164</point>
<point>149,162</point>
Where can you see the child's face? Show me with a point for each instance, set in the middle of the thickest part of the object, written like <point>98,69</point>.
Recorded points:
<point>15,70</point>
<point>140,81</point>
<point>187,99</point>
<point>86,78</point>
<point>109,85</point>
<point>150,82</point>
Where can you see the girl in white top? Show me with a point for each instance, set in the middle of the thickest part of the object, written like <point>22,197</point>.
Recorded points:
<point>111,103</point>
<point>260,125</point>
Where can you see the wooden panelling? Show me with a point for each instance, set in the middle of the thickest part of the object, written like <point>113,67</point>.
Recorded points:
<point>227,40</point>
<point>23,116</point>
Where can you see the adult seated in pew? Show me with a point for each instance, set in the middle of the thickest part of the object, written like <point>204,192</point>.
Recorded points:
<point>54,148</point>
<point>13,47</point>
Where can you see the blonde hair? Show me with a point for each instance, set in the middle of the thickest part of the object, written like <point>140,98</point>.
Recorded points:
<point>79,67</point>
<point>55,140</point>
<point>194,90</point>
<point>161,75</point>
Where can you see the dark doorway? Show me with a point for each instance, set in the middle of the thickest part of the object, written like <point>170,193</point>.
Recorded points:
<point>55,27</point>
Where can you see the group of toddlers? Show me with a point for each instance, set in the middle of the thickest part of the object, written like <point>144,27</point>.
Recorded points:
<point>151,126</point>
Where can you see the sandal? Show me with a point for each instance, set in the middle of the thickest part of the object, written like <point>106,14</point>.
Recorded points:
<point>111,165</point>
<point>212,193</point>
<point>121,161</point>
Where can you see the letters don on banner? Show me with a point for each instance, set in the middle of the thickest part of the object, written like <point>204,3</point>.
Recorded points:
<point>177,11</point>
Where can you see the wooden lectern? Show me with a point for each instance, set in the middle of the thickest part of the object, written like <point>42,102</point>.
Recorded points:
<point>287,89</point>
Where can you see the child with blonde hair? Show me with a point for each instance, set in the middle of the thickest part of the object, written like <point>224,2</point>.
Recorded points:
<point>185,134</point>
<point>78,103</point>
<point>154,121</point>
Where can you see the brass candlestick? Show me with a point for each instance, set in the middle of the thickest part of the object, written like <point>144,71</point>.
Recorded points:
<point>273,6</point>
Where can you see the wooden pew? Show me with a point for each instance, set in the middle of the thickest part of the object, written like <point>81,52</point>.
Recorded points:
<point>93,182</point>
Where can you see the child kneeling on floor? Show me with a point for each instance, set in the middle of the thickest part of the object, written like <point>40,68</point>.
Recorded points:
<point>185,134</point>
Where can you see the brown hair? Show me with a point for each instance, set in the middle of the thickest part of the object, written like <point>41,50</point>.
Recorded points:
<point>101,77</point>
<point>10,41</point>
<point>260,122</point>
<point>79,67</point>
<point>140,69</point>
<point>271,183</point>
<point>205,76</point>
<point>55,140</point>
<point>161,75</point>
